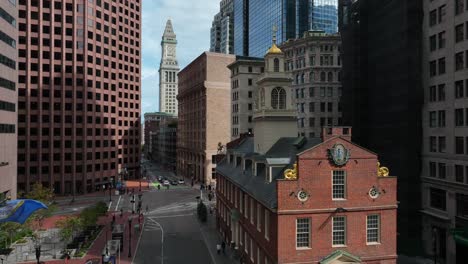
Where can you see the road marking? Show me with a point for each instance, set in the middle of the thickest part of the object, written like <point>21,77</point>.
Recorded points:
<point>138,243</point>
<point>170,216</point>
<point>162,238</point>
<point>110,204</point>
<point>118,201</point>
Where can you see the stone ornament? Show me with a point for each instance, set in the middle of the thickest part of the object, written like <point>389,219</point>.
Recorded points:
<point>339,155</point>
<point>374,193</point>
<point>302,196</point>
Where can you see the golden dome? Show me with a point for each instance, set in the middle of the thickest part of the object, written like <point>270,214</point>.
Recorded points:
<point>274,50</point>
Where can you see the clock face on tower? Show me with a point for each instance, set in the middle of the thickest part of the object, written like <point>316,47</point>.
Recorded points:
<point>170,50</point>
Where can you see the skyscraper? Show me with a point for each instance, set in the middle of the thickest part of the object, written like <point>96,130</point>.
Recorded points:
<point>168,70</point>
<point>79,93</point>
<point>222,35</point>
<point>8,99</point>
<point>254,20</point>
<point>382,95</point>
<point>444,174</point>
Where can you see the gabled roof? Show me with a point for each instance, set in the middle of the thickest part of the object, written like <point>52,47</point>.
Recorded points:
<point>341,255</point>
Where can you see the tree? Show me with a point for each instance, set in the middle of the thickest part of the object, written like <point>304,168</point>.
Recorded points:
<point>69,227</point>
<point>44,195</point>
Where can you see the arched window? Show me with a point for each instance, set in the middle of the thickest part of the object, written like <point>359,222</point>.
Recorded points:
<point>276,65</point>
<point>278,98</point>
<point>330,77</point>
<point>322,76</point>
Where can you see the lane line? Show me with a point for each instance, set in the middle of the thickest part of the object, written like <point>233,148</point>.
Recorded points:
<point>138,243</point>
<point>170,216</point>
<point>118,201</point>
<point>110,204</point>
<point>162,239</point>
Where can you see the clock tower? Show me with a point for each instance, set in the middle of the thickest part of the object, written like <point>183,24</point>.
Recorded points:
<point>168,70</point>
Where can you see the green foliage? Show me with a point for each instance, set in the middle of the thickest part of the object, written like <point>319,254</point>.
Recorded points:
<point>202,212</point>
<point>90,215</point>
<point>46,196</point>
<point>11,232</point>
<point>69,227</point>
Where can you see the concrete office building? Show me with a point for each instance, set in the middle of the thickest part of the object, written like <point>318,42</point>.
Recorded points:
<point>8,99</point>
<point>444,173</point>
<point>315,63</point>
<point>222,29</point>
<point>254,22</point>
<point>244,75</point>
<point>152,124</point>
<point>168,70</point>
<point>382,95</point>
<point>79,91</point>
<point>204,114</point>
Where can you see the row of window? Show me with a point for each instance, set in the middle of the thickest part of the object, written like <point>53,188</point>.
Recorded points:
<point>324,107</point>
<point>7,39</point>
<point>439,170</point>
<point>324,91</point>
<point>7,106</point>
<point>461,62</point>
<point>7,129</point>
<point>33,170</point>
<point>437,16</point>
<point>339,234</point>
<point>69,7</point>
<point>7,84</point>
<point>438,144</point>
<point>323,77</point>
<point>79,132</point>
<point>324,121</point>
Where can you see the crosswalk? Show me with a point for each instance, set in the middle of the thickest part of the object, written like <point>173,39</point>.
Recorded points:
<point>174,208</point>
<point>151,226</point>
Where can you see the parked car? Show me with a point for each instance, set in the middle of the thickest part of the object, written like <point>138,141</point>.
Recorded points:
<point>160,179</point>
<point>166,183</point>
<point>181,181</point>
<point>174,182</point>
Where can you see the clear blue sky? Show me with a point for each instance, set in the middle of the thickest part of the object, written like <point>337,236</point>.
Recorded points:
<point>191,21</point>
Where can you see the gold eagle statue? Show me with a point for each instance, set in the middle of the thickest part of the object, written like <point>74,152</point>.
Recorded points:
<point>382,171</point>
<point>291,174</point>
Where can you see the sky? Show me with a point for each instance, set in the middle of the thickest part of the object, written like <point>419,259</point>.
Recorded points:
<point>191,21</point>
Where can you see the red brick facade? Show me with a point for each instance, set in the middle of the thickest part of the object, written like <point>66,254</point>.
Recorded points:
<point>315,170</point>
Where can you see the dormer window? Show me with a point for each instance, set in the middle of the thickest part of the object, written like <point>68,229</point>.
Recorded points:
<point>278,98</point>
<point>260,171</point>
<point>247,164</point>
<point>231,159</point>
<point>238,161</point>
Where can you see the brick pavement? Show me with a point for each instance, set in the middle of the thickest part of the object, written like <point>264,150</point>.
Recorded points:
<point>97,247</point>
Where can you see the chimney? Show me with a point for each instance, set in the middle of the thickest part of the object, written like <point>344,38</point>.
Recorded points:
<point>331,132</point>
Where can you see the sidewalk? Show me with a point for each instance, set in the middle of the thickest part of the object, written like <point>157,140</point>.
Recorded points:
<point>212,238</point>
<point>95,251</point>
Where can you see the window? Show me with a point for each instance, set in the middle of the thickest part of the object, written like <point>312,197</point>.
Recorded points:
<point>459,117</point>
<point>459,177</point>
<point>339,231</point>
<point>339,181</point>
<point>459,6</point>
<point>432,169</point>
<point>373,229</point>
<point>278,98</point>
<point>442,170</point>
<point>432,68</point>
<point>459,145</point>
<point>302,233</point>
<point>459,62</point>
<point>441,66</point>
<point>437,199</point>
<point>252,210</point>
<point>442,144</point>
<point>267,224</point>
<point>441,122</point>
<point>459,92</point>
<point>433,144</point>
<point>441,92</point>
<point>432,93</point>
<point>433,17</point>
<point>432,119</point>
<point>433,42</point>
<point>459,32</point>
<point>441,40</point>
<point>441,13</point>
<point>259,217</point>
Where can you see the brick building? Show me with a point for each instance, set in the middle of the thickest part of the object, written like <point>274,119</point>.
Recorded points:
<point>288,199</point>
<point>79,93</point>
<point>204,114</point>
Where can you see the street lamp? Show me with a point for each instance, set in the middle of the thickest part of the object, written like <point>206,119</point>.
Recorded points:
<point>130,237</point>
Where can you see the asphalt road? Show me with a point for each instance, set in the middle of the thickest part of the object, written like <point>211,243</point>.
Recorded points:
<point>171,234</point>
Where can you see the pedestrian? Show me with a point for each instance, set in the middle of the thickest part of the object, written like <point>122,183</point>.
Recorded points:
<point>223,246</point>
<point>218,248</point>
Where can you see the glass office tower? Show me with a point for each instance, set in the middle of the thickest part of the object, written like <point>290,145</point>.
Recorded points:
<point>254,21</point>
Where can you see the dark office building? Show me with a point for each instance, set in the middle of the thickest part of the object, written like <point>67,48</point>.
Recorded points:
<point>382,94</point>
<point>254,21</point>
